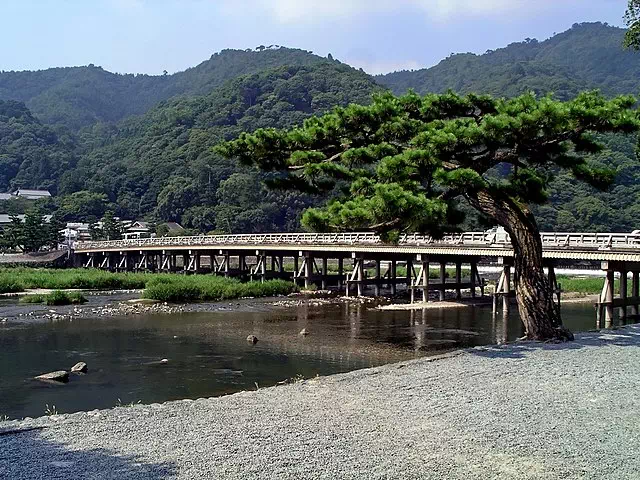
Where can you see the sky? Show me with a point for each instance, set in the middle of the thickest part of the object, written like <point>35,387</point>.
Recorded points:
<point>150,36</point>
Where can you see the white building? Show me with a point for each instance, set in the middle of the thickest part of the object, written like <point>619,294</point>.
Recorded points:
<point>31,194</point>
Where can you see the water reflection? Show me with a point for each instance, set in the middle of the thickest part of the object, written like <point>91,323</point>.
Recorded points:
<point>208,353</point>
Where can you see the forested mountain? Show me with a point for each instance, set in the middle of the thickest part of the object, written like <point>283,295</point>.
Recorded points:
<point>589,55</point>
<point>82,96</point>
<point>162,162</point>
<point>159,164</point>
<point>32,155</point>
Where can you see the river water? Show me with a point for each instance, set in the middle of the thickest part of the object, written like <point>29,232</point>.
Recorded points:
<point>208,354</point>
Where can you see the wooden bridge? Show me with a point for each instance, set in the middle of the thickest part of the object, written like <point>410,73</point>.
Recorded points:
<point>316,258</point>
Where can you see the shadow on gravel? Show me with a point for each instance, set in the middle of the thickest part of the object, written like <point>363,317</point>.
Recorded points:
<point>27,455</point>
<point>628,336</point>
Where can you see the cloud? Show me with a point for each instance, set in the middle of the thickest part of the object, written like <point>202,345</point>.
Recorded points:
<point>306,11</point>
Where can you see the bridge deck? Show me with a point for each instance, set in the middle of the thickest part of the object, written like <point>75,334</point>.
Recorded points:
<point>570,246</point>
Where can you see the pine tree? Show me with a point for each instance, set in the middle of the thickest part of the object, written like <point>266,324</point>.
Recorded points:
<point>404,163</point>
<point>111,228</point>
<point>13,234</point>
<point>35,231</point>
<point>632,20</point>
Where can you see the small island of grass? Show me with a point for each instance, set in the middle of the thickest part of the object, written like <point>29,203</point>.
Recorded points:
<point>56,297</point>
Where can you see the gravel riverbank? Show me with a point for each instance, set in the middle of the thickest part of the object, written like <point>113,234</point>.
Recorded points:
<point>520,411</point>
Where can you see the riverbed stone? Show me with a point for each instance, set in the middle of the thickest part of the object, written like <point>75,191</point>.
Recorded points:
<point>304,332</point>
<point>57,376</point>
<point>79,367</point>
<point>252,339</point>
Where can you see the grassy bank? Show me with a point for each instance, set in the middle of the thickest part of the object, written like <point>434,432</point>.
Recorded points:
<point>200,288</point>
<point>163,287</point>
<point>56,297</point>
<point>20,279</point>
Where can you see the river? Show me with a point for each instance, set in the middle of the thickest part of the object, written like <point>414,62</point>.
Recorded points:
<point>208,354</point>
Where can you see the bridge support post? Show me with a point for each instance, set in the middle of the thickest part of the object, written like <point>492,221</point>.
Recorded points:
<point>392,276</point>
<point>340,272</point>
<point>242,266</point>
<point>458,279</point>
<point>409,277</point>
<point>377,279</point>
<point>425,280</point>
<point>356,276</point>
<point>606,298</point>
<point>443,280</point>
<point>623,295</point>
<point>503,289</point>
<point>324,273</point>
<point>186,262</point>
<point>474,276</point>
<point>308,269</point>
<point>635,293</point>
<point>227,266</point>
<point>296,268</point>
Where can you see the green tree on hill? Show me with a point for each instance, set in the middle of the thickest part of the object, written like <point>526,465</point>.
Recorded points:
<point>632,20</point>
<point>13,234</point>
<point>35,231</point>
<point>403,164</point>
<point>111,227</point>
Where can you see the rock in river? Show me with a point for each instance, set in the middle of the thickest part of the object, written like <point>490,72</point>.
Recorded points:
<point>59,376</point>
<point>79,367</point>
<point>252,339</point>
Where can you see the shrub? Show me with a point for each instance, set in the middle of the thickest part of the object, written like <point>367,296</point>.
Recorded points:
<point>32,299</point>
<point>56,298</point>
<point>202,288</point>
<point>64,298</point>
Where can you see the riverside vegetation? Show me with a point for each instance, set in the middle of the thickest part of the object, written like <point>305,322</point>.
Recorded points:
<point>163,287</point>
<point>193,288</point>
<point>56,297</point>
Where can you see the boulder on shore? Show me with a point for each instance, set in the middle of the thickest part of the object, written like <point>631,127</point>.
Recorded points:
<point>79,367</point>
<point>252,339</point>
<point>58,376</point>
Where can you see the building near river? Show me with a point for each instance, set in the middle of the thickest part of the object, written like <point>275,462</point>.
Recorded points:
<point>5,219</point>
<point>31,194</point>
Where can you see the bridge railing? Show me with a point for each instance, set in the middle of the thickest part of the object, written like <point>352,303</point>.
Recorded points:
<point>498,239</point>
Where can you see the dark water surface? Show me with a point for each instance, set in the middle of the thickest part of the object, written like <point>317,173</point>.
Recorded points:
<point>208,353</point>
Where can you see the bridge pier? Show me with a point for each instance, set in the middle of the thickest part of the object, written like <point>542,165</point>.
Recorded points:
<point>608,302</point>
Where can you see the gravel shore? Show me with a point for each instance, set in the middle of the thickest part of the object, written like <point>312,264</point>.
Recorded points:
<point>522,411</point>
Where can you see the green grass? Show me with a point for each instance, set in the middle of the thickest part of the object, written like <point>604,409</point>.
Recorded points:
<point>588,285</point>
<point>56,297</point>
<point>202,288</point>
<point>164,287</point>
<point>20,279</point>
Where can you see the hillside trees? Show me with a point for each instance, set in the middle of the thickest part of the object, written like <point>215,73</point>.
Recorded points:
<point>632,20</point>
<point>32,155</point>
<point>161,164</point>
<point>403,164</point>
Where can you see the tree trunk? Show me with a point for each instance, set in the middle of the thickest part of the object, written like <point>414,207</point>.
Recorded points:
<point>534,293</point>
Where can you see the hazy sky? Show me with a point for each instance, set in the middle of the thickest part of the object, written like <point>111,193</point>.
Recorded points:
<point>149,36</point>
